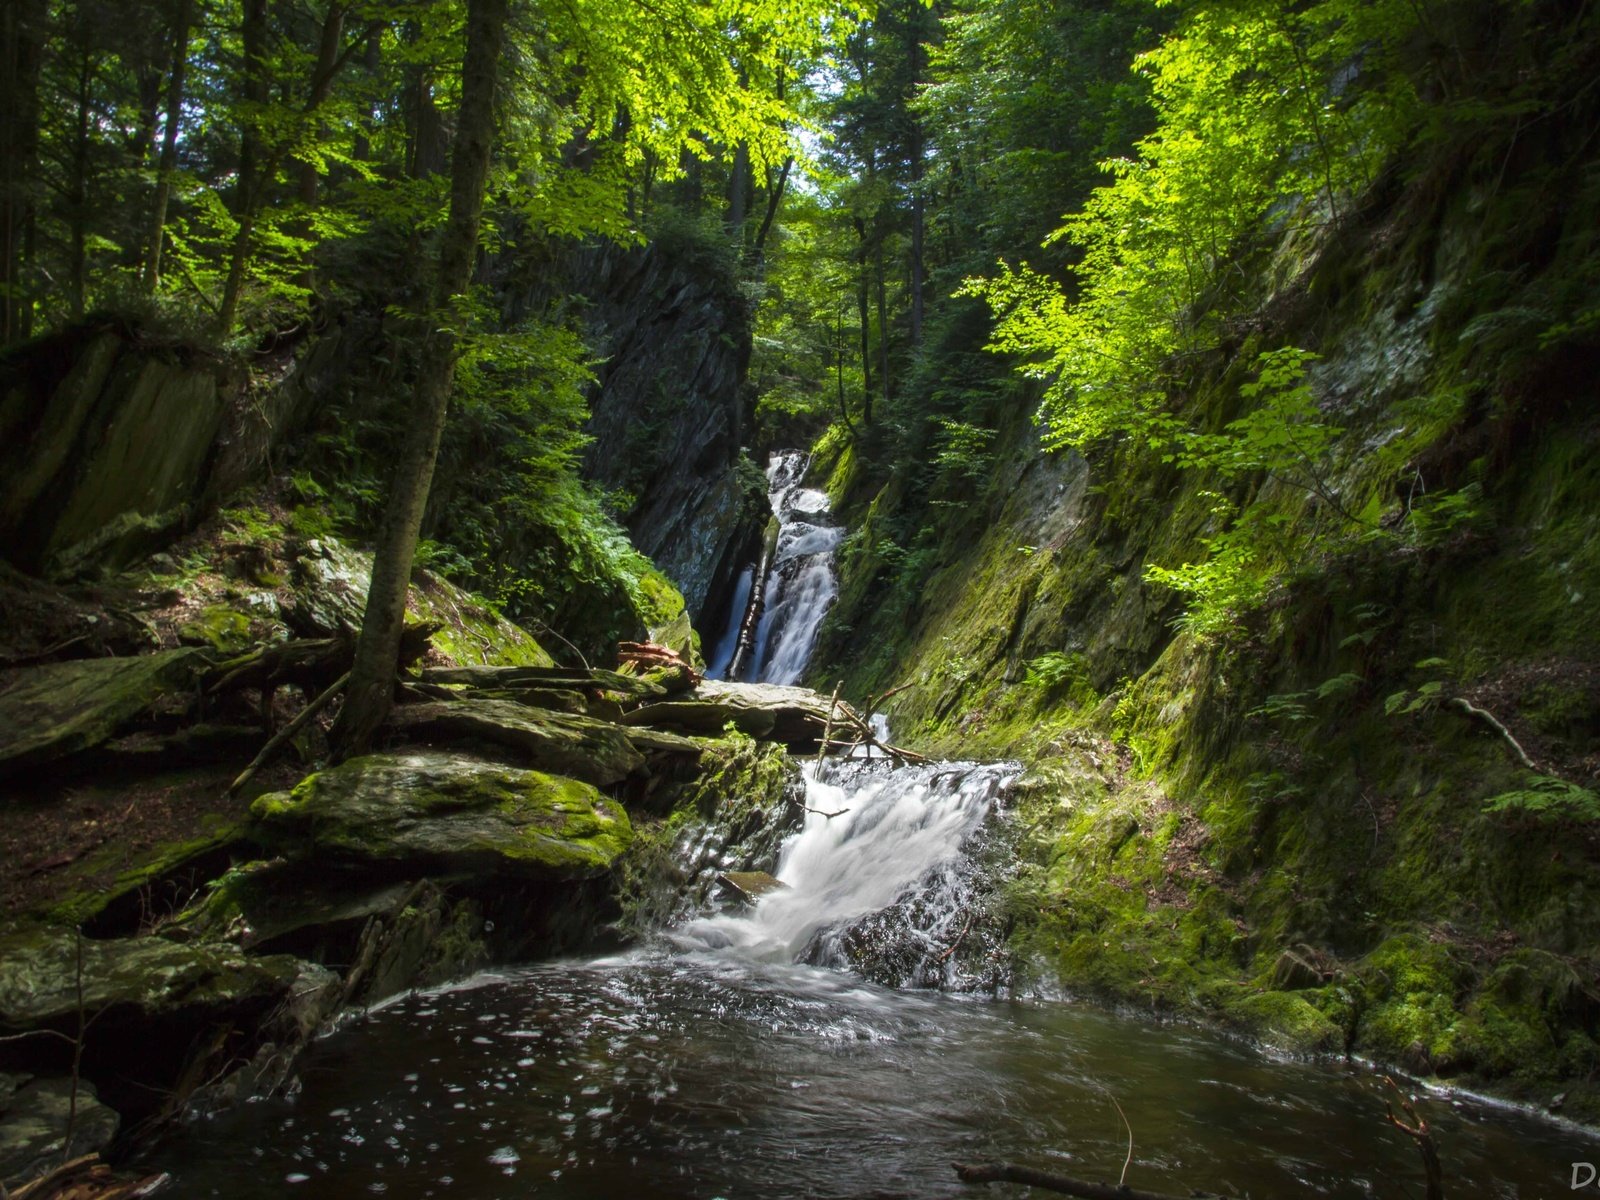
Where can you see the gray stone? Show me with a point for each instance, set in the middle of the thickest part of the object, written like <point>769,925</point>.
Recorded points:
<point>750,886</point>
<point>33,1128</point>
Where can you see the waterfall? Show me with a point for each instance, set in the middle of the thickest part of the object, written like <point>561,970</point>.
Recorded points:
<point>783,607</point>
<point>879,843</point>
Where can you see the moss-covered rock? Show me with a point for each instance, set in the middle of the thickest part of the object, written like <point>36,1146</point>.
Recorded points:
<point>41,985</point>
<point>51,711</point>
<point>420,812</point>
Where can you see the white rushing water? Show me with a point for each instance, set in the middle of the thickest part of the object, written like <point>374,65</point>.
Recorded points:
<point>891,830</point>
<point>800,583</point>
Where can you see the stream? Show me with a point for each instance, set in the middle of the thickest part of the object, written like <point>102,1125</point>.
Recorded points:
<point>710,1064</point>
<point>736,1055</point>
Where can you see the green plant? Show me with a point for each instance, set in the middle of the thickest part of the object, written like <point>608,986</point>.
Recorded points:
<point>1546,799</point>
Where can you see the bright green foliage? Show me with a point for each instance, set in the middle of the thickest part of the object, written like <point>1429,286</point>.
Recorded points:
<point>1252,119</point>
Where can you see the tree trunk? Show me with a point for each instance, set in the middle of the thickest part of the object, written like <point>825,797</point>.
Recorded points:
<point>864,315</point>
<point>254,91</point>
<point>918,273</point>
<point>21,53</point>
<point>739,192</point>
<point>372,680</point>
<point>775,189</point>
<point>883,324</point>
<point>78,180</point>
<point>328,44</point>
<point>168,162</point>
<point>372,61</point>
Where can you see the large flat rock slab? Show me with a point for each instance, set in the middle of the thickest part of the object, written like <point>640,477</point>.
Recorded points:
<point>426,811</point>
<point>585,748</point>
<point>795,716</point>
<point>50,711</point>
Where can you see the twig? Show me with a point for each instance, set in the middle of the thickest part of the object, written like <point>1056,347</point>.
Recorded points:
<point>288,731</point>
<point>1462,705</point>
<point>999,1172</point>
<point>1419,1132</point>
<point>77,1048</point>
<point>960,937</point>
<point>827,727</point>
<point>568,645</point>
<point>1122,1180</point>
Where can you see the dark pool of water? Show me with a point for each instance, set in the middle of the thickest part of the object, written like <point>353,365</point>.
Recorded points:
<point>692,1076</point>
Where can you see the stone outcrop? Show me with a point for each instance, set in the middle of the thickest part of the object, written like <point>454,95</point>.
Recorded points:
<point>670,411</point>
<point>50,711</point>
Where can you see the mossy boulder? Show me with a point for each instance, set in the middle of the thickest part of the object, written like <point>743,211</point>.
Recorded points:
<point>50,711</point>
<point>218,626</point>
<point>422,812</point>
<point>147,978</point>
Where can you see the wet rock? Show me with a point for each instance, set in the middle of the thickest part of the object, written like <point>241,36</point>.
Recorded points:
<point>134,978</point>
<point>792,715</point>
<point>33,1127</point>
<point>424,811</point>
<point>749,886</point>
<point>595,751</point>
<point>104,446</point>
<point>50,711</point>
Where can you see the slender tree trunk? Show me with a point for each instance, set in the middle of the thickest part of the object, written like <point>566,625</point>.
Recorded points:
<point>254,37</point>
<point>78,180</point>
<point>372,679</point>
<point>372,61</point>
<point>864,316</point>
<point>328,44</point>
<point>739,191</point>
<point>167,165</point>
<point>775,189</point>
<point>883,324</point>
<point>21,53</point>
<point>918,273</point>
<point>838,366</point>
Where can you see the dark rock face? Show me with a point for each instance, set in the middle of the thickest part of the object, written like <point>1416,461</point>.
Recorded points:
<point>103,448</point>
<point>670,413</point>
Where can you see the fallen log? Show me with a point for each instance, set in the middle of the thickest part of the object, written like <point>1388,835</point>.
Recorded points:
<point>549,678</point>
<point>1002,1172</point>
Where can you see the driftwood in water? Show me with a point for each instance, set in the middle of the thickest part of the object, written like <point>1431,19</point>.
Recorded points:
<point>1422,1134</point>
<point>745,647</point>
<point>1000,1172</point>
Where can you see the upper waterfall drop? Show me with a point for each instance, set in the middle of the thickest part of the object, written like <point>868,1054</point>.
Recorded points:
<point>771,634</point>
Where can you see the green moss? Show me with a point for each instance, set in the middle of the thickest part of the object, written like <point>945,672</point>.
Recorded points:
<point>140,870</point>
<point>1287,1019</point>
<point>220,627</point>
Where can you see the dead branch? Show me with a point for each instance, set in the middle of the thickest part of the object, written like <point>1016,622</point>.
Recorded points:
<point>1420,1133</point>
<point>827,727</point>
<point>999,1172</point>
<point>955,945</point>
<point>1464,706</point>
<point>284,735</point>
